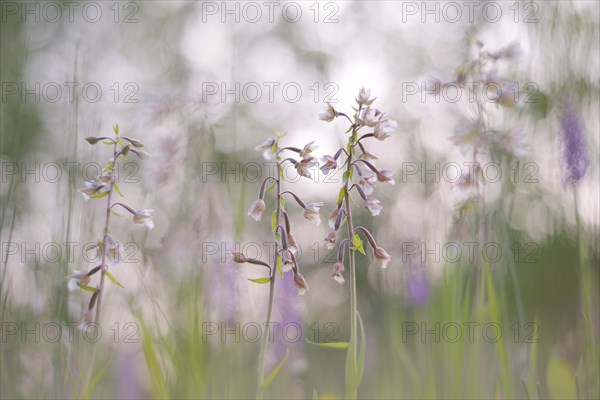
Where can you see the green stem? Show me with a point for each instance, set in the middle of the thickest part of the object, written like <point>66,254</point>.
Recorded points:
<point>264,343</point>
<point>105,237</point>
<point>351,361</point>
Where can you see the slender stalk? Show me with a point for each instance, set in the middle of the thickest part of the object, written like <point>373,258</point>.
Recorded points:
<point>105,237</point>
<point>351,386</point>
<point>263,347</point>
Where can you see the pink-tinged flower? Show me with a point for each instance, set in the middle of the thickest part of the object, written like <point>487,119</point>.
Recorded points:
<point>77,278</point>
<point>382,256</point>
<point>301,284</point>
<point>311,212</point>
<point>287,262</point>
<point>386,176</point>
<point>303,167</point>
<point>107,177</point>
<point>142,155</point>
<point>373,206</point>
<point>329,114</point>
<point>384,129</point>
<point>369,117</point>
<point>333,218</point>
<point>337,274</point>
<point>330,164</point>
<point>363,97</point>
<point>367,156</point>
<point>256,209</point>
<point>144,217</point>
<point>330,239</point>
<point>291,242</point>
<point>309,148</point>
<point>367,182</point>
<point>92,189</point>
<point>269,148</point>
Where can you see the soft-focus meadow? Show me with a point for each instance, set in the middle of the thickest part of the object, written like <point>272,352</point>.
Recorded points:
<point>493,286</point>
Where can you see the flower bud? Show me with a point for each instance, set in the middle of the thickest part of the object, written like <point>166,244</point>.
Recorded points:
<point>239,257</point>
<point>291,242</point>
<point>92,139</point>
<point>301,284</point>
<point>256,209</point>
<point>382,256</point>
<point>144,217</point>
<point>330,239</point>
<point>337,274</point>
<point>77,278</point>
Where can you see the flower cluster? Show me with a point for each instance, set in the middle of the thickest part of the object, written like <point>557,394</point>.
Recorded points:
<point>360,174</point>
<point>286,246</point>
<point>480,75</point>
<point>108,249</point>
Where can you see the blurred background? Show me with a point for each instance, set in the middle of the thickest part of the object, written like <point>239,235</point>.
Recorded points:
<point>202,84</point>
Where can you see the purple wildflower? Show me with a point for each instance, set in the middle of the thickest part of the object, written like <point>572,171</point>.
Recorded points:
<point>573,144</point>
<point>416,289</point>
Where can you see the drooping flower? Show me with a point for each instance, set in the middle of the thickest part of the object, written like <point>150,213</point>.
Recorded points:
<point>384,129</point>
<point>239,257</point>
<point>287,260</point>
<point>257,208</point>
<point>337,274</point>
<point>329,114</point>
<point>303,166</point>
<point>574,152</point>
<point>300,284</point>
<point>311,212</point>
<point>144,217</point>
<point>92,189</point>
<point>330,239</point>
<point>329,164</point>
<point>366,156</point>
<point>269,147</point>
<point>386,176</point>
<point>373,205</point>
<point>382,256</point>
<point>367,182</point>
<point>86,318</point>
<point>292,245</point>
<point>77,278</point>
<point>309,148</point>
<point>333,217</point>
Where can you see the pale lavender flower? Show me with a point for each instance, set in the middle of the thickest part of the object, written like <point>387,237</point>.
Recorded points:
<point>373,205</point>
<point>573,144</point>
